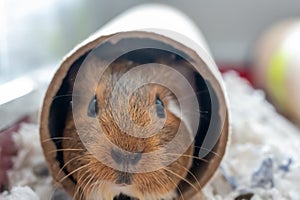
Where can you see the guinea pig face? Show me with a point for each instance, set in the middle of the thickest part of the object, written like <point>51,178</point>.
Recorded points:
<point>134,139</point>
<point>132,155</point>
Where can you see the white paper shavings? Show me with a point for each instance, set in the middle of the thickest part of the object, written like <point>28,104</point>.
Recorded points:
<point>30,169</point>
<point>262,162</point>
<point>19,193</point>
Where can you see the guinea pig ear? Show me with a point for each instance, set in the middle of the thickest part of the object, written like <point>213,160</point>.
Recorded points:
<point>174,108</point>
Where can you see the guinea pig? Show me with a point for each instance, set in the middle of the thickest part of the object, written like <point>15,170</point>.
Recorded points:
<point>117,145</point>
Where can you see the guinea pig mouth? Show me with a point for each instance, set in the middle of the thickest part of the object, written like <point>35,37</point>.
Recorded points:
<point>124,197</point>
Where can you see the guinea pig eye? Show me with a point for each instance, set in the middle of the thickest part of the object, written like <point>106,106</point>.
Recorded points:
<point>160,109</point>
<point>93,107</point>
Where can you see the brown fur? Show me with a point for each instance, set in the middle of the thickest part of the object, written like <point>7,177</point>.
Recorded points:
<point>111,115</point>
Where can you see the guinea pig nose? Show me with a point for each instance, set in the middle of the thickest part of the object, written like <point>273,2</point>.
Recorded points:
<point>125,158</point>
<point>124,178</point>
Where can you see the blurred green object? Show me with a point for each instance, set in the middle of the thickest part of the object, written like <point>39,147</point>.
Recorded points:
<point>277,77</point>
<point>277,67</point>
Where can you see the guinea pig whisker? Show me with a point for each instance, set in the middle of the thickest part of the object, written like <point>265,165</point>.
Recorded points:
<point>74,171</point>
<point>181,178</point>
<point>189,172</point>
<point>79,187</point>
<point>216,154</point>
<point>177,188</point>
<point>78,195</point>
<point>83,175</point>
<point>189,156</point>
<point>160,182</point>
<point>54,151</point>
<point>85,184</point>
<point>65,165</point>
<point>57,138</point>
<point>94,185</point>
<point>163,185</point>
<point>88,182</point>
<point>176,185</point>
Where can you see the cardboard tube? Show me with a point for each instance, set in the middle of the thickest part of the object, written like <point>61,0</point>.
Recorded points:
<point>149,25</point>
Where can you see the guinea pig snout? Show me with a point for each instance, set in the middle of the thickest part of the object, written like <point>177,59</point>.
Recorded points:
<point>124,178</point>
<point>125,158</point>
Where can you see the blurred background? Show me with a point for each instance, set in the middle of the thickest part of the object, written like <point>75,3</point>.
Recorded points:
<point>36,33</point>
